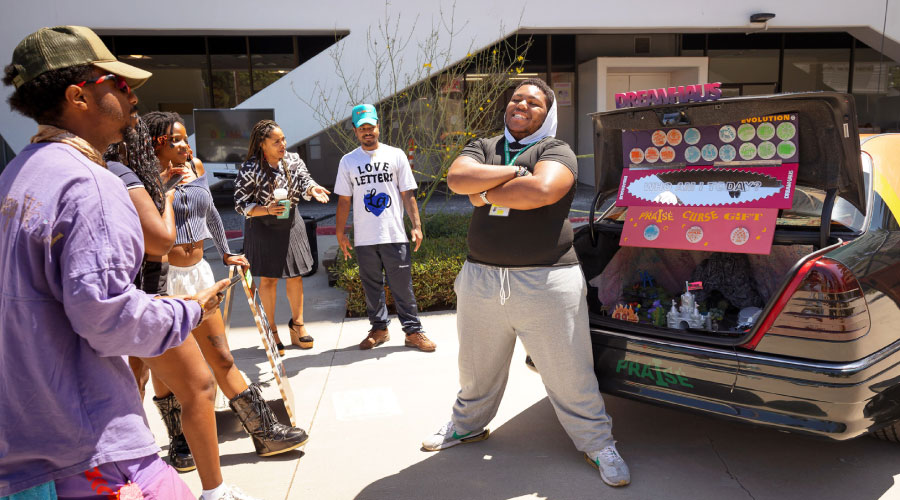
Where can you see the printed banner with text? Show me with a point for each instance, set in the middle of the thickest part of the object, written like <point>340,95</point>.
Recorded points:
<point>718,229</point>
<point>748,187</point>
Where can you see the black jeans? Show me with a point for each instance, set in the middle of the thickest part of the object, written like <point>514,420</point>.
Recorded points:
<point>391,260</point>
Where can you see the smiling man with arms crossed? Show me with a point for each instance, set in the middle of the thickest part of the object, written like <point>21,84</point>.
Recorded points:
<point>522,278</point>
<point>71,423</point>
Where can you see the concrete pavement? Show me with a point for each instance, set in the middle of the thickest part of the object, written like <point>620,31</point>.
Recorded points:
<point>368,411</point>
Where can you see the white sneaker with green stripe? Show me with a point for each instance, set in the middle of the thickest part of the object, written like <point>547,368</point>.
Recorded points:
<point>612,467</point>
<point>447,437</point>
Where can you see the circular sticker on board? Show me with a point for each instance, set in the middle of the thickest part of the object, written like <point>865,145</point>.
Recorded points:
<point>694,234</point>
<point>667,154</point>
<point>746,132</point>
<point>651,232</point>
<point>658,138</point>
<point>748,151</point>
<point>786,130</point>
<point>727,152</point>
<point>727,133</point>
<point>692,136</point>
<point>674,137</point>
<point>766,150</point>
<point>740,235</point>
<point>692,154</point>
<point>709,152</point>
<point>637,155</point>
<point>786,149</point>
<point>765,131</point>
<point>651,155</point>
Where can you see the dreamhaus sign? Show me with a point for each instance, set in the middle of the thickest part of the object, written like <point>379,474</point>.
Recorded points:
<point>672,95</point>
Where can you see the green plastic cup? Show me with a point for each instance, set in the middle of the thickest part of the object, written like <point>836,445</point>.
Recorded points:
<point>287,209</point>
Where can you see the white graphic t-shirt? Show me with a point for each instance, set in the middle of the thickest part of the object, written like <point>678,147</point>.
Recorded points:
<point>375,180</point>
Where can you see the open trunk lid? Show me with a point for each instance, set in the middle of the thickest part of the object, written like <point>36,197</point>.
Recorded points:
<point>698,294</point>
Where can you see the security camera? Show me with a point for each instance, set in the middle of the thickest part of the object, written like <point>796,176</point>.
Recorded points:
<point>761,17</point>
<point>760,20</point>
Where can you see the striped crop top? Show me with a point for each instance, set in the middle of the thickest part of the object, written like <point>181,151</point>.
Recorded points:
<point>196,217</point>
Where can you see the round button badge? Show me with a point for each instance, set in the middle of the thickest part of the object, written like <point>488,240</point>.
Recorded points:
<point>692,136</point>
<point>748,151</point>
<point>692,154</point>
<point>651,155</point>
<point>694,234</point>
<point>786,130</point>
<point>667,154</point>
<point>786,149</point>
<point>766,131</point>
<point>727,133</point>
<point>651,232</point>
<point>766,150</point>
<point>709,152</point>
<point>658,138</point>
<point>674,137</point>
<point>637,155</point>
<point>746,132</point>
<point>727,152</point>
<point>740,235</point>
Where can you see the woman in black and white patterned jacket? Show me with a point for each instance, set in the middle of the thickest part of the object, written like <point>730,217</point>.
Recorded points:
<point>275,240</point>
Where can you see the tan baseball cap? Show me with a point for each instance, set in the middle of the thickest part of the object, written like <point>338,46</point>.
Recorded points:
<point>65,46</point>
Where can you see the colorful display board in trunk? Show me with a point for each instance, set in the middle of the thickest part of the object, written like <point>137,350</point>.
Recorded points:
<point>713,188</point>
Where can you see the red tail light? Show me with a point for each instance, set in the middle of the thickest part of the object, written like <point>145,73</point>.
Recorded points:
<point>823,302</point>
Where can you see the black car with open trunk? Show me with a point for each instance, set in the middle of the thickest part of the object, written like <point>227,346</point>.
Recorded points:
<point>802,337</point>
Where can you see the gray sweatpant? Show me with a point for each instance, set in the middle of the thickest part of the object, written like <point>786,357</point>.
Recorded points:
<point>547,309</point>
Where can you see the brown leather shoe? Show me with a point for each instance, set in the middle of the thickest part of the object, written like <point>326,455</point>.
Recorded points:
<point>374,339</point>
<point>420,342</point>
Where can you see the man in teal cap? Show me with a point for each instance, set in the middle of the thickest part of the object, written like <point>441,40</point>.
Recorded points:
<point>376,178</point>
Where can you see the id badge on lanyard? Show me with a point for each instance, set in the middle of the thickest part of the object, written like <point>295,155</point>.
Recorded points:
<point>497,210</point>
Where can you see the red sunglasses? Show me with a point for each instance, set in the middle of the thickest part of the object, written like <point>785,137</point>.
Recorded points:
<point>120,82</point>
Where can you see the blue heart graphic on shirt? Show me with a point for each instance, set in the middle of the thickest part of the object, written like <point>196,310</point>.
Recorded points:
<point>375,203</point>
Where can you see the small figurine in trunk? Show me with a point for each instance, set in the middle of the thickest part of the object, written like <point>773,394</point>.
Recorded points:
<point>688,315</point>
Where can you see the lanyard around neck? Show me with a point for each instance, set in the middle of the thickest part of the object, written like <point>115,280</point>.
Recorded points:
<point>506,160</point>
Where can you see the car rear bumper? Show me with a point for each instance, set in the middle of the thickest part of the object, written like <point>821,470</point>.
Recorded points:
<point>835,400</point>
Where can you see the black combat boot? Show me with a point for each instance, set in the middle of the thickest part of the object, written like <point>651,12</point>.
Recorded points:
<point>269,436</point>
<point>179,453</point>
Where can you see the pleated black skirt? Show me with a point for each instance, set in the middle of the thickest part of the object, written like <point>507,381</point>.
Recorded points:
<point>277,248</point>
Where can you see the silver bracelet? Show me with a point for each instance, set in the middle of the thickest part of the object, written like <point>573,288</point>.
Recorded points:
<point>522,172</point>
<point>483,195</point>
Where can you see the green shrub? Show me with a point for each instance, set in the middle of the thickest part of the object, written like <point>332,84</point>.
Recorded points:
<point>434,267</point>
<point>438,225</point>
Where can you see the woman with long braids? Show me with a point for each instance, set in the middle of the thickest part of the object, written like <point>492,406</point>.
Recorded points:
<point>189,403</point>
<point>135,163</point>
<point>275,238</point>
<point>196,219</point>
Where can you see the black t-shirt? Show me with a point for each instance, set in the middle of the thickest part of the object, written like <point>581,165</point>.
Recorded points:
<point>151,278</point>
<point>526,238</point>
<point>127,175</point>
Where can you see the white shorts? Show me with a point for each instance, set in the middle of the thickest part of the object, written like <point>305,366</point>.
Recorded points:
<point>189,280</point>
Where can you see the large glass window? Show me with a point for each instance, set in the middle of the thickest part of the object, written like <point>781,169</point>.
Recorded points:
<point>763,63</point>
<point>745,64</point>
<point>816,69</point>
<point>816,61</point>
<point>196,71</point>
<point>876,89</point>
